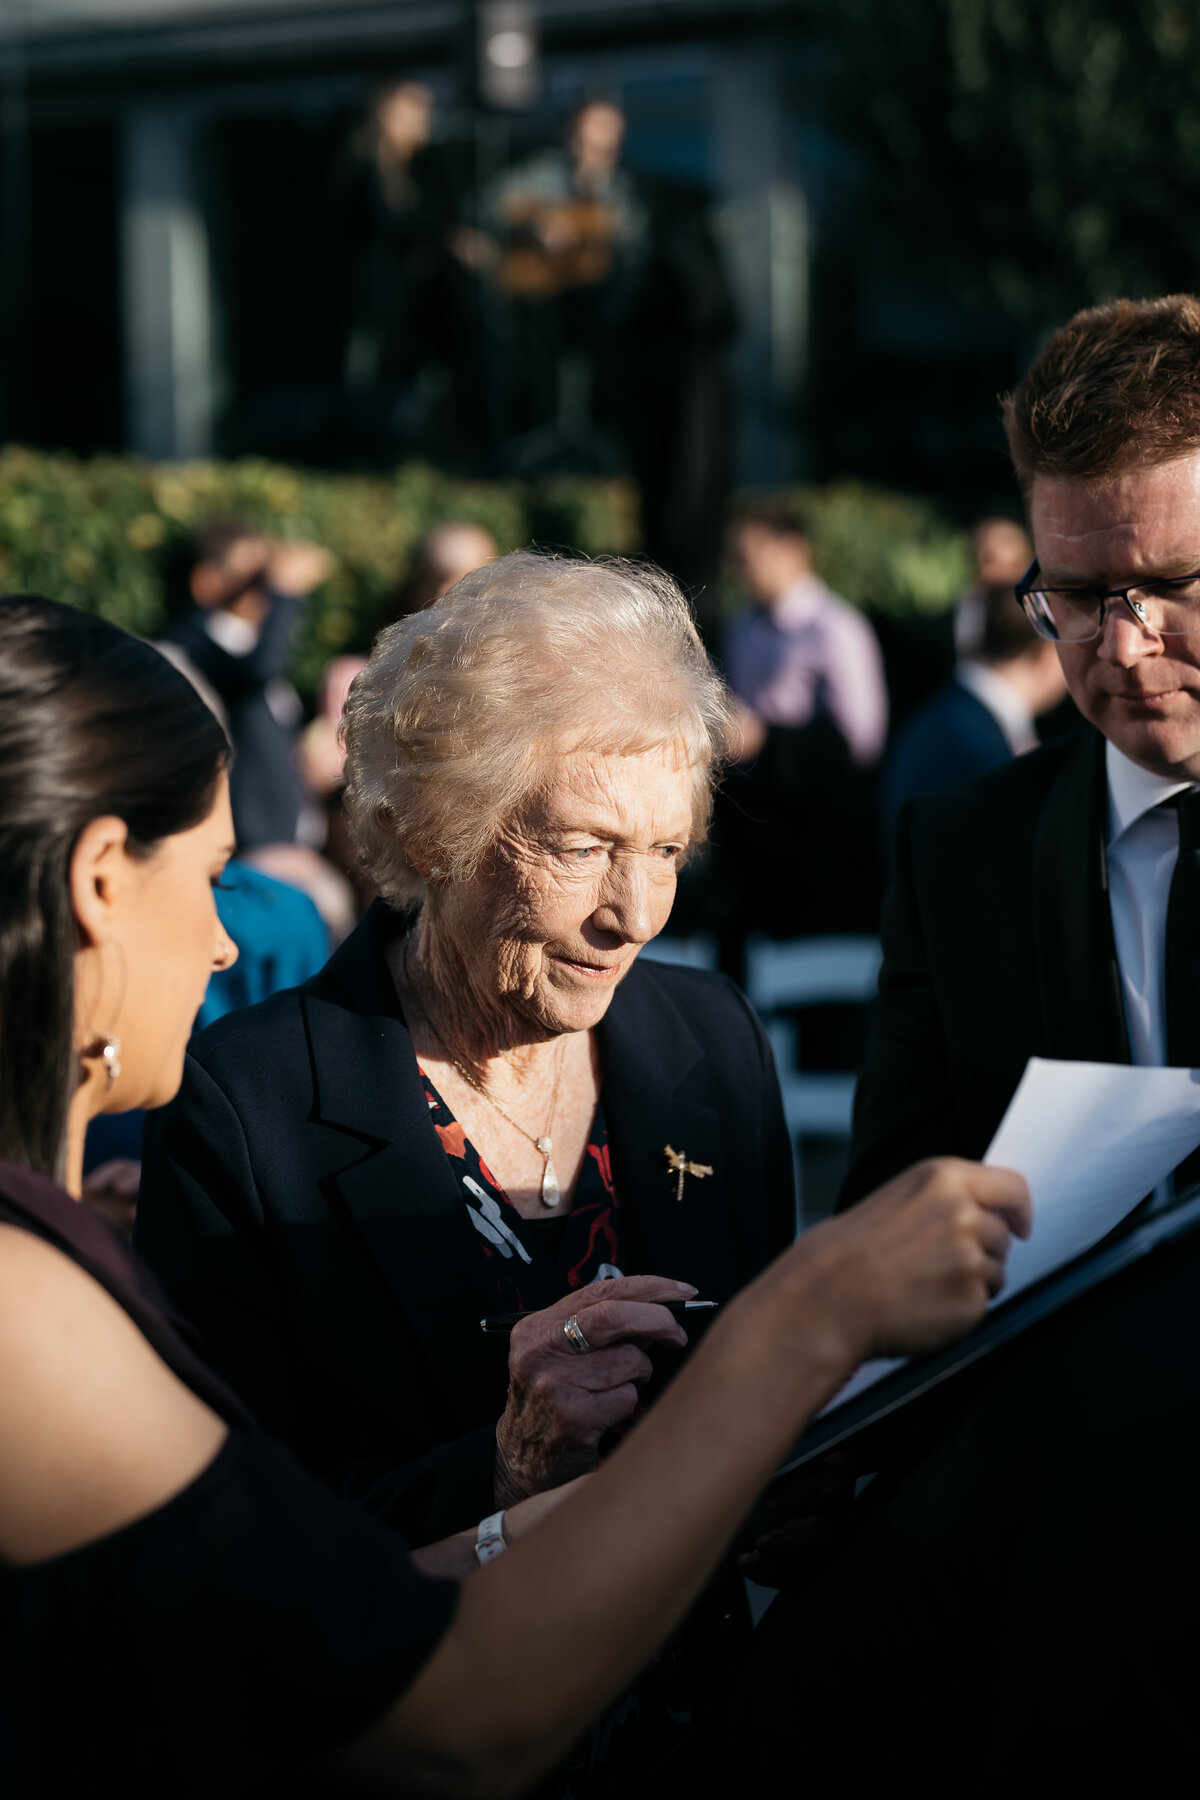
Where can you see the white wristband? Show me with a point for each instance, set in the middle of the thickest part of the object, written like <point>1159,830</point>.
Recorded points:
<point>489,1538</point>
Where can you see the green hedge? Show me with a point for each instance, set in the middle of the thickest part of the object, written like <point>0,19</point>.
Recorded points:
<point>888,553</point>
<point>106,533</point>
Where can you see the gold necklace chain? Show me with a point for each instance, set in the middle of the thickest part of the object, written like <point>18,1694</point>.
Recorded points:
<point>550,1191</point>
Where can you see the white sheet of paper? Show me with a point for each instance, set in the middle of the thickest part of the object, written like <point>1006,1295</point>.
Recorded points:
<point>1092,1140</point>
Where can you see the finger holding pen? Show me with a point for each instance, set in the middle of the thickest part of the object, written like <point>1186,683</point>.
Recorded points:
<point>502,1323</point>
<point>900,1273</point>
<point>568,1387</point>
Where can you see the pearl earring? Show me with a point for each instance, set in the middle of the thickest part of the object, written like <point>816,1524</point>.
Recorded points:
<point>111,1055</point>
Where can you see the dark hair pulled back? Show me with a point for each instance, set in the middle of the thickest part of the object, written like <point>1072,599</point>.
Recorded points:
<point>92,722</point>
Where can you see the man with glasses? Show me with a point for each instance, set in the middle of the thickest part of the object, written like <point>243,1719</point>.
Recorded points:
<point>1012,1608</point>
<point>1052,908</point>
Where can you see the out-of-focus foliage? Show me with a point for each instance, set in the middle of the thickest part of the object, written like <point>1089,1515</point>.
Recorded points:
<point>111,534</point>
<point>885,552</point>
<point>1049,150</point>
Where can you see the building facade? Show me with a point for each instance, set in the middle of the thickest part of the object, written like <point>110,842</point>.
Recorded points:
<point>171,266</point>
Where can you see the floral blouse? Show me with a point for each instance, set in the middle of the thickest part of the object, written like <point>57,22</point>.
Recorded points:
<point>533,1262</point>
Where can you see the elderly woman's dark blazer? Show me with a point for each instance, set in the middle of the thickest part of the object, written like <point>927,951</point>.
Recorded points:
<point>304,1217</point>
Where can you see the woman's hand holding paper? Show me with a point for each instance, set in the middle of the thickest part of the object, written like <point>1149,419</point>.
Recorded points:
<point>917,1262</point>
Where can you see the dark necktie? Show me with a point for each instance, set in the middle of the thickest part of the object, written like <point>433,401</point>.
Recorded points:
<point>1183,957</point>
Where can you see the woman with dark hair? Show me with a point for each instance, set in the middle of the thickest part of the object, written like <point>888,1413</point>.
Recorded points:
<point>183,1610</point>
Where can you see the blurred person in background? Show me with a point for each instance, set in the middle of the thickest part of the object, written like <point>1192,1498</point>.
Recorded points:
<point>320,756</point>
<point>446,553</point>
<point>799,653</point>
<point>795,847</point>
<point>412,321</point>
<point>1002,550</point>
<point>247,591</point>
<point>568,216</point>
<point>679,332</point>
<point>986,714</point>
<point>570,228</point>
<point>621,317</point>
<point>282,936</point>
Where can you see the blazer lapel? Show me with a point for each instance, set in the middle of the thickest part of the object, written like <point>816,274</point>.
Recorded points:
<point>407,1206</point>
<point>653,1097</point>
<point>401,1193</point>
<point>1071,926</point>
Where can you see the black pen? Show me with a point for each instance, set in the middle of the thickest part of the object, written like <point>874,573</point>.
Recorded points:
<point>506,1321</point>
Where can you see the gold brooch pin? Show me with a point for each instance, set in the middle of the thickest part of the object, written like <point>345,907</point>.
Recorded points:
<point>679,1166</point>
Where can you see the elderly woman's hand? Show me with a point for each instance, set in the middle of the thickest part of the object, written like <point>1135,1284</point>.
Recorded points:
<point>561,1402</point>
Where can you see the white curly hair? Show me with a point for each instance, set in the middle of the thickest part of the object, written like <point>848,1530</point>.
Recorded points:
<point>467,709</point>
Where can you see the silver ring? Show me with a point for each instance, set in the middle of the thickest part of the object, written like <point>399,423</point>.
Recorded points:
<point>573,1332</point>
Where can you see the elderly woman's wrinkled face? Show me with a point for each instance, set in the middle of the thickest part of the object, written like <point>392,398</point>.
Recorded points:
<point>580,881</point>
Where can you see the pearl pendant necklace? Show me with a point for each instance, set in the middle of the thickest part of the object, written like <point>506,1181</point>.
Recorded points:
<point>550,1192</point>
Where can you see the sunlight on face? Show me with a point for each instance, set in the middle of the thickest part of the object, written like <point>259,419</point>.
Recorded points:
<point>1141,690</point>
<point>172,941</point>
<point>578,883</point>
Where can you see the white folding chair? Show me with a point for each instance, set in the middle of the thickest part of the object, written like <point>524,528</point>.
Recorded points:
<point>696,952</point>
<point>786,977</point>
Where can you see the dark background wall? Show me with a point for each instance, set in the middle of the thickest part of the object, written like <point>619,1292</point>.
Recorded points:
<point>855,355</point>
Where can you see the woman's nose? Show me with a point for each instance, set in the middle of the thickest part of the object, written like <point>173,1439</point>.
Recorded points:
<point>624,906</point>
<point>226,952</point>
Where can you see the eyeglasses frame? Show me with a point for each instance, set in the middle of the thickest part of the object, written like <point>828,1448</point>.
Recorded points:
<point>1027,586</point>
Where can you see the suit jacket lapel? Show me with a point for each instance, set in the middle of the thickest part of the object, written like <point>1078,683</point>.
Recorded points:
<point>401,1193</point>
<point>1071,927</point>
<point>654,1096</point>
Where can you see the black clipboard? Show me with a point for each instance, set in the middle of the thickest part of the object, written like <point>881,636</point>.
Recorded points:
<point>1006,1322</point>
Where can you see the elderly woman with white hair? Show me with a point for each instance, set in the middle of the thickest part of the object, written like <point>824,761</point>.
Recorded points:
<point>485,1104</point>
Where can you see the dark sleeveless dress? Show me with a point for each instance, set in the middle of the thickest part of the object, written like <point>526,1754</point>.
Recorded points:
<point>218,1645</point>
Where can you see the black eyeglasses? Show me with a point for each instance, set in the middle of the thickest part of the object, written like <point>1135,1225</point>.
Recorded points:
<point>1169,606</point>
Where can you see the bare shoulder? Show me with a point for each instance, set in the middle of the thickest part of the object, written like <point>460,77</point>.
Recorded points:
<point>95,1430</point>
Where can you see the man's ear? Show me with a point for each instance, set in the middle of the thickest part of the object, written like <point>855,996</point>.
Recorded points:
<point>99,871</point>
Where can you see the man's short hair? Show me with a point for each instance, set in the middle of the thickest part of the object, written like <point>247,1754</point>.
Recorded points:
<point>1118,387</point>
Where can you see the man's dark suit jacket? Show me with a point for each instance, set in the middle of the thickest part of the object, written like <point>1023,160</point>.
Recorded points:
<point>301,1212</point>
<point>951,739</point>
<point>998,946</point>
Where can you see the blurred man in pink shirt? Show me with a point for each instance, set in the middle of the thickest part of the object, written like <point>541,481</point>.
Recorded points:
<point>799,653</point>
<point>796,841</point>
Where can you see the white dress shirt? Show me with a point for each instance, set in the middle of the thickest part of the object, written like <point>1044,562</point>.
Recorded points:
<point>1143,843</point>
